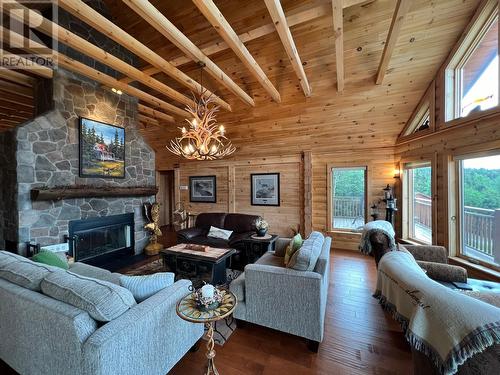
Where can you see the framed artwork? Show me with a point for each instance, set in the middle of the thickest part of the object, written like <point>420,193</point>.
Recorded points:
<point>202,189</point>
<point>102,149</point>
<point>265,189</point>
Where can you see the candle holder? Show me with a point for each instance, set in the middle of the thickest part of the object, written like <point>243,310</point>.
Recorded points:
<point>204,303</point>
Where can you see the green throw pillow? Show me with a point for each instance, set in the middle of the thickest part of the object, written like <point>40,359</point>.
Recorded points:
<point>50,258</point>
<point>295,244</point>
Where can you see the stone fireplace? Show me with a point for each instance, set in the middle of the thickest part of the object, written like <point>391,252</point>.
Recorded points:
<point>44,153</point>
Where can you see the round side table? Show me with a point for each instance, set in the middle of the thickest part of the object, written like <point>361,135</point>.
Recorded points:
<point>187,310</point>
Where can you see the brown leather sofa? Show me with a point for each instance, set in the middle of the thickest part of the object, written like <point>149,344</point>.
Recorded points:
<point>242,225</point>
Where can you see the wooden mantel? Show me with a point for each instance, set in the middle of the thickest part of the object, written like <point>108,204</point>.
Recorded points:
<point>58,193</point>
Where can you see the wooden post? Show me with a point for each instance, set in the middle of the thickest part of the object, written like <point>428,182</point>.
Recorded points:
<point>496,236</point>
<point>231,187</point>
<point>307,197</point>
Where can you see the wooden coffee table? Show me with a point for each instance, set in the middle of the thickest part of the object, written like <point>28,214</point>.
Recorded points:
<point>198,266</point>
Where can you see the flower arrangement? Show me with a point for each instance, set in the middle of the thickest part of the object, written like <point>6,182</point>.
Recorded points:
<point>208,297</point>
<point>262,226</point>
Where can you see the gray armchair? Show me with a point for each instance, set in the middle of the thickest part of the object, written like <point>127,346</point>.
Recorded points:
<point>271,295</point>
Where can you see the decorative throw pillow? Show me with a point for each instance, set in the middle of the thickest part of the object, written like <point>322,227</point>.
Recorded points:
<point>143,287</point>
<point>26,273</point>
<point>7,257</point>
<point>306,257</point>
<point>295,244</point>
<point>223,234</point>
<point>50,258</point>
<point>103,301</point>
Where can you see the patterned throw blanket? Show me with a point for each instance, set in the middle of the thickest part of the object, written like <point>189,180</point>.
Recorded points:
<point>380,226</point>
<point>447,326</point>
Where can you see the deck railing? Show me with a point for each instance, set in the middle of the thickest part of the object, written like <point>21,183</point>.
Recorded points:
<point>479,229</point>
<point>348,207</point>
<point>479,224</point>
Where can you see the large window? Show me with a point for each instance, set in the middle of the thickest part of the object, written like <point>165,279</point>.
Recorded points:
<point>417,199</point>
<point>348,200</point>
<point>472,75</point>
<point>479,208</point>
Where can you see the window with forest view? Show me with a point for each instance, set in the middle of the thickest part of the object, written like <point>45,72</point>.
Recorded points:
<point>418,202</point>
<point>348,198</point>
<point>480,208</point>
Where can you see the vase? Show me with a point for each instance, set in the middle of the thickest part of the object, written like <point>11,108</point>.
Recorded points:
<point>261,232</point>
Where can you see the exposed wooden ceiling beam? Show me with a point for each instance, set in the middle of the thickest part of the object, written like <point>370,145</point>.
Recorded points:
<point>338,28</point>
<point>70,39</point>
<point>29,66</point>
<point>156,19</point>
<point>296,18</point>
<point>80,68</point>
<point>217,20</point>
<point>350,3</point>
<point>147,120</point>
<point>155,114</point>
<point>402,8</point>
<point>278,17</point>
<point>19,78</point>
<point>84,12</point>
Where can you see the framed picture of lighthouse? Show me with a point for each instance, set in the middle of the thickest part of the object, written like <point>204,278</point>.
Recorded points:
<point>102,149</point>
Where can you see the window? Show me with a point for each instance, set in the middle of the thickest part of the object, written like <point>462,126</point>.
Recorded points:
<point>417,198</point>
<point>422,118</point>
<point>424,124</point>
<point>479,208</point>
<point>472,75</point>
<point>348,200</point>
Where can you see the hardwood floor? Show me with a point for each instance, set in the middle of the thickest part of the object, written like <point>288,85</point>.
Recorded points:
<point>360,338</point>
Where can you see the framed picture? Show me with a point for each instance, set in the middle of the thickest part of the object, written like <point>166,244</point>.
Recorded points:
<point>102,149</point>
<point>202,189</point>
<point>265,189</point>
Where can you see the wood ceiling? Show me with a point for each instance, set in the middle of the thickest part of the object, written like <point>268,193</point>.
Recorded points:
<point>310,88</point>
<point>361,115</point>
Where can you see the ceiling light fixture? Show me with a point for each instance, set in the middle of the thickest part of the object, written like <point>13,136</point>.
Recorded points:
<point>203,139</point>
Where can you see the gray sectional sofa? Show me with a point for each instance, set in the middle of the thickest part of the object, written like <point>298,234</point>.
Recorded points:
<point>285,299</point>
<point>42,335</point>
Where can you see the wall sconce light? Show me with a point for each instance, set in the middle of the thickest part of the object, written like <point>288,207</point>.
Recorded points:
<point>397,171</point>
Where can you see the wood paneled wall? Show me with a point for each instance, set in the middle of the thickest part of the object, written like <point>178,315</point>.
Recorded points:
<point>233,189</point>
<point>304,192</point>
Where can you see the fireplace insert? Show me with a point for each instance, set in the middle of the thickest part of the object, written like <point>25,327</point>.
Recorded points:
<point>96,240</point>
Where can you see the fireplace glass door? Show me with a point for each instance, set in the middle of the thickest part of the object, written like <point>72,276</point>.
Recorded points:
<point>101,241</point>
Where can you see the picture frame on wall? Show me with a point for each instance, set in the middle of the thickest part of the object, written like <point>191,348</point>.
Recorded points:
<point>203,189</point>
<point>101,149</point>
<point>265,189</point>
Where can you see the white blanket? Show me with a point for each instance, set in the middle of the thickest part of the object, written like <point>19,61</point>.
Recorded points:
<point>445,325</point>
<point>380,226</point>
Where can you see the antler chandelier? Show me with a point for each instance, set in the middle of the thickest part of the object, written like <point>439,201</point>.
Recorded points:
<point>203,139</point>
